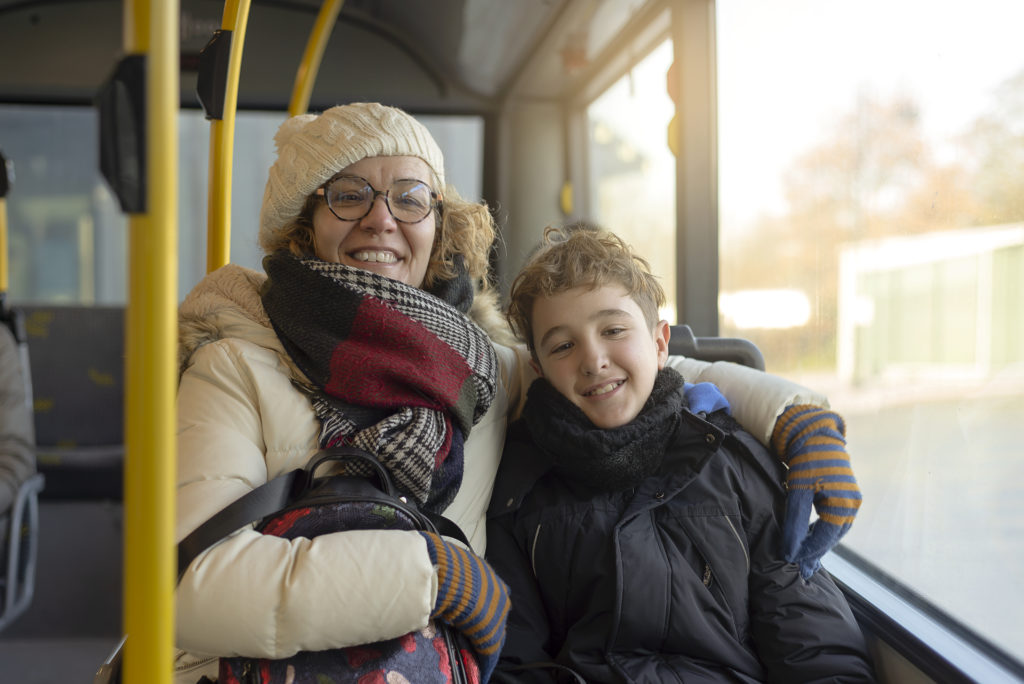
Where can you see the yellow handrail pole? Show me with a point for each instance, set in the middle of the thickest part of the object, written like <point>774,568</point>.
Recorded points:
<point>151,29</point>
<point>310,65</point>
<point>222,144</point>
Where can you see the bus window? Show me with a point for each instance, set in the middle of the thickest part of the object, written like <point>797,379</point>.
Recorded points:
<point>67,231</point>
<point>631,168</point>
<point>461,138</point>
<point>872,245</point>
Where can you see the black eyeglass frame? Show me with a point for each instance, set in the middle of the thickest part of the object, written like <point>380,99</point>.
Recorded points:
<point>436,200</point>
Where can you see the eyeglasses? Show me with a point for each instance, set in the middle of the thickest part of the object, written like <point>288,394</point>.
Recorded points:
<point>351,198</point>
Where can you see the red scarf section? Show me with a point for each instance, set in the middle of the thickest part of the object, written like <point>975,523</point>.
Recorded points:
<point>398,372</point>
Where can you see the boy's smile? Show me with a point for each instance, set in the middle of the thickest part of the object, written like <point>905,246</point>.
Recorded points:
<point>595,347</point>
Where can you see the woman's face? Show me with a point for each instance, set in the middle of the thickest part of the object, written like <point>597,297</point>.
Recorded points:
<point>377,242</point>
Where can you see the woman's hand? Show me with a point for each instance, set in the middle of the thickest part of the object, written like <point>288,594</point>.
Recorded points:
<point>810,440</point>
<point>470,597</point>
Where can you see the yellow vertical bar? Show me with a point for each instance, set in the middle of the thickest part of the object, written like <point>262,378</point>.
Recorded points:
<point>310,65</point>
<point>151,29</point>
<point>222,142</point>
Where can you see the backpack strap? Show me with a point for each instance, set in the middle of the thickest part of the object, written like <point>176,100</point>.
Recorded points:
<point>274,495</point>
<point>247,509</point>
<point>566,673</point>
<point>447,527</point>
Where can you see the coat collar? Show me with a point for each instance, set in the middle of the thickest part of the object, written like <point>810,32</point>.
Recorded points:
<point>695,444</point>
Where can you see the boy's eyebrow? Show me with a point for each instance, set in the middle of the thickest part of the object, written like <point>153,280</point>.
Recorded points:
<point>603,313</point>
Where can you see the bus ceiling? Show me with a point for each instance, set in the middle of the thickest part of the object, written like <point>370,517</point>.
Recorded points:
<point>443,55</point>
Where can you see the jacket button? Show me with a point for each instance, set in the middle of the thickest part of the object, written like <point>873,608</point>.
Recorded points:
<point>709,438</point>
<point>508,504</point>
<point>659,495</point>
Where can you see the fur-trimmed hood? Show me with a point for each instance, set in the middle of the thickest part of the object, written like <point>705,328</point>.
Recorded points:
<point>226,303</point>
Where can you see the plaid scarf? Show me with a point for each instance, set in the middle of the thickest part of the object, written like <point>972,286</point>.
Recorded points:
<point>397,372</point>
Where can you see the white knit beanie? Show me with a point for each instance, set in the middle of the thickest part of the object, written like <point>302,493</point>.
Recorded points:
<point>311,149</point>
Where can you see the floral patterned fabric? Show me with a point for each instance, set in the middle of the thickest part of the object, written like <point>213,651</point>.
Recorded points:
<point>437,654</point>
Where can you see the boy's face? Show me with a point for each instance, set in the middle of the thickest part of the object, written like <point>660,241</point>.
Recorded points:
<point>595,348</point>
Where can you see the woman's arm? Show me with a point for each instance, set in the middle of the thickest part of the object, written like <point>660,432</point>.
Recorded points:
<point>796,424</point>
<point>262,596</point>
<point>757,398</point>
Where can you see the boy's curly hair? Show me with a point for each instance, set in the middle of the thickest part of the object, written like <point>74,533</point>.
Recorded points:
<point>580,255</point>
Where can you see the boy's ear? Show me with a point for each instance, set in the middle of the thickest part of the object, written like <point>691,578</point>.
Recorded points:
<point>662,333</point>
<point>536,366</point>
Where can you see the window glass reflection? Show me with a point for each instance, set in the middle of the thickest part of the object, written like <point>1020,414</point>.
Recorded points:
<point>67,235</point>
<point>632,171</point>
<point>872,244</point>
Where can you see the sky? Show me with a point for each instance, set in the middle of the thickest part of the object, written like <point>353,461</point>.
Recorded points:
<point>787,69</point>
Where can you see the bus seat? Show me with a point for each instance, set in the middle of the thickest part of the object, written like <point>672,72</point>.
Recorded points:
<point>77,361</point>
<point>19,514</point>
<point>684,343</point>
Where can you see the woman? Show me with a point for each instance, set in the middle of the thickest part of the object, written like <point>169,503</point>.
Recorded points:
<point>357,189</point>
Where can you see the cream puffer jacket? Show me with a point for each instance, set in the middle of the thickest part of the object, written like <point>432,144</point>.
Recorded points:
<point>242,422</point>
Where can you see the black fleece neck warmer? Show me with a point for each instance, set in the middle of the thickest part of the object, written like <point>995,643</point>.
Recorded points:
<point>605,459</point>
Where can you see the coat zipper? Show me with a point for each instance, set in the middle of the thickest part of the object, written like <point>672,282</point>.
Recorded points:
<point>735,532</point>
<point>533,551</point>
<point>195,664</point>
<point>250,674</point>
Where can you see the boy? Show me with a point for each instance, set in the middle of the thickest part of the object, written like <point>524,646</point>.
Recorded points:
<point>640,540</point>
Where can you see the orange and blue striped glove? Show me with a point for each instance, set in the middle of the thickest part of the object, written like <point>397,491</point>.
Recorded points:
<point>810,440</point>
<point>470,597</point>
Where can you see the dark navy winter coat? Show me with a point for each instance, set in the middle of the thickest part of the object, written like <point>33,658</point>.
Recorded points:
<point>679,579</point>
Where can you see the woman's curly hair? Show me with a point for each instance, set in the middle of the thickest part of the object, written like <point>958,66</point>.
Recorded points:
<point>463,228</point>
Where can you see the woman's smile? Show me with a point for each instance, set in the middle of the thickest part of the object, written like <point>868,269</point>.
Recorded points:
<point>378,257</point>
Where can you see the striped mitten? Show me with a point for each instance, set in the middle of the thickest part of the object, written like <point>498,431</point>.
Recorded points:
<point>810,440</point>
<point>470,597</point>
